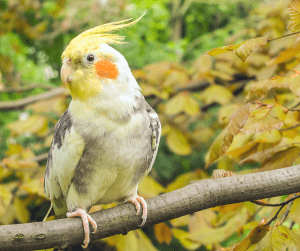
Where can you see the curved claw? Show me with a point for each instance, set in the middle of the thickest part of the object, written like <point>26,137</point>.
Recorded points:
<point>86,218</point>
<point>138,201</point>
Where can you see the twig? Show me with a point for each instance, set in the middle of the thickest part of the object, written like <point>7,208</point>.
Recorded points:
<point>289,128</point>
<point>197,196</point>
<point>275,205</point>
<point>287,210</point>
<point>41,157</point>
<point>276,215</point>
<point>270,40</point>
<point>194,86</point>
<point>21,103</point>
<point>26,88</point>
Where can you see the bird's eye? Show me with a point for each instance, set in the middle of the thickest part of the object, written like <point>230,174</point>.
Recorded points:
<point>89,58</point>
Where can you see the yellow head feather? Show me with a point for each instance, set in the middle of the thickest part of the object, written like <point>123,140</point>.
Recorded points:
<point>98,35</point>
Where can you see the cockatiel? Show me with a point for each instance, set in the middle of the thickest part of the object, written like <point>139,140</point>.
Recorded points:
<point>107,140</point>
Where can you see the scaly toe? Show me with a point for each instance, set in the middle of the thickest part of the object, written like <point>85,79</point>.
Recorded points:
<point>86,218</point>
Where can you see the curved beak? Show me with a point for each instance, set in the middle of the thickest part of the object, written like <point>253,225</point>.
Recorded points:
<point>66,72</point>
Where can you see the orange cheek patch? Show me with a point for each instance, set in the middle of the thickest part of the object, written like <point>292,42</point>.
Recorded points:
<point>106,69</point>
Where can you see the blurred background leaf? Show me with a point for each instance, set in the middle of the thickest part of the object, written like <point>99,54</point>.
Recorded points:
<point>216,110</point>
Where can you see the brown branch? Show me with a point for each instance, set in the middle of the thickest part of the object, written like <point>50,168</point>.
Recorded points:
<point>21,103</point>
<point>194,86</point>
<point>198,195</point>
<point>41,157</point>
<point>26,88</point>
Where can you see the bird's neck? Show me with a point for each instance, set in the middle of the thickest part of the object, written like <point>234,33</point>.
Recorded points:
<point>117,108</point>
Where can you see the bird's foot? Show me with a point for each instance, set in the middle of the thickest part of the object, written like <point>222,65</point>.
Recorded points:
<point>86,218</point>
<point>138,201</point>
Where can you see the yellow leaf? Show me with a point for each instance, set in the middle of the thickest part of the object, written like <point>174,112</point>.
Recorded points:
<point>271,136</point>
<point>191,106</point>
<point>178,143</point>
<point>214,151</point>
<point>35,124</point>
<point>227,208</point>
<point>273,240</point>
<point>292,238</point>
<point>285,55</point>
<point>181,181</point>
<point>182,235</point>
<point>226,111</point>
<point>202,65</point>
<point>203,135</point>
<point>267,122</point>
<point>57,105</point>
<point>149,187</point>
<point>236,122</point>
<point>280,159</point>
<point>220,74</point>
<point>181,221</point>
<point>253,238</point>
<point>294,10</point>
<point>240,144</point>
<point>176,78</point>
<point>220,50</point>
<point>156,73</point>
<point>35,186</point>
<point>14,149</point>
<point>219,234</point>
<point>27,154</point>
<point>133,241</point>
<point>226,163</point>
<point>48,141</point>
<point>165,129</point>
<point>163,233</point>
<point>294,212</point>
<point>22,212</point>
<point>20,164</point>
<point>5,199</point>
<point>175,105</point>
<point>8,216</point>
<point>163,94</point>
<point>4,172</point>
<point>242,50</point>
<point>215,93</point>
<point>258,233</point>
<point>202,220</point>
<point>261,88</point>
<point>182,102</point>
<point>247,47</point>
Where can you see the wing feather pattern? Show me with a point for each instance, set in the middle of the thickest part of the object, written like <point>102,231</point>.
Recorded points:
<point>65,152</point>
<point>155,128</point>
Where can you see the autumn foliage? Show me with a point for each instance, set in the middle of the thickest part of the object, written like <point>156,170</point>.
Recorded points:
<point>238,105</point>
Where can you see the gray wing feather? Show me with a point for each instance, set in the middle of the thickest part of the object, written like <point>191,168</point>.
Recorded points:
<point>65,152</point>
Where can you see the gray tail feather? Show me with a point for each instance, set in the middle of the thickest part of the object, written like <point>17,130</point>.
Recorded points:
<point>50,209</point>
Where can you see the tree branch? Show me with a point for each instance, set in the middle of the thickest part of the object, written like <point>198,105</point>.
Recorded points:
<point>19,104</point>
<point>26,88</point>
<point>198,195</point>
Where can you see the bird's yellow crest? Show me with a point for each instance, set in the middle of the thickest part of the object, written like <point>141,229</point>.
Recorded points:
<point>100,34</point>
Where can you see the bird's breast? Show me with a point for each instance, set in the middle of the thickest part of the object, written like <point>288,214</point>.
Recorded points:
<point>113,157</point>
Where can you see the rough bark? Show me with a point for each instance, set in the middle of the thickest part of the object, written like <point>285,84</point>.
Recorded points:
<point>198,195</point>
